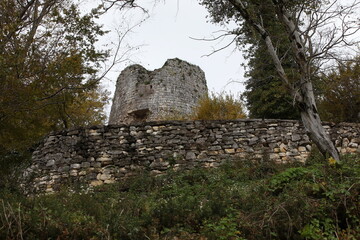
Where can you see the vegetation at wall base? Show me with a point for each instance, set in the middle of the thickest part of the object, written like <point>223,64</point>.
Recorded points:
<point>244,200</point>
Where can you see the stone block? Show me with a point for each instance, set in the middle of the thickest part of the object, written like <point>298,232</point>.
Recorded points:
<point>213,153</point>
<point>308,148</point>
<point>230,151</point>
<point>283,148</point>
<point>75,166</point>
<point>274,156</point>
<point>190,156</point>
<point>50,163</point>
<point>104,176</point>
<point>85,165</point>
<point>96,183</point>
<point>109,181</point>
<point>345,142</point>
<point>353,145</point>
<point>295,137</point>
<point>215,148</point>
<point>63,169</point>
<point>95,164</point>
<point>93,132</point>
<point>302,149</point>
<point>104,159</point>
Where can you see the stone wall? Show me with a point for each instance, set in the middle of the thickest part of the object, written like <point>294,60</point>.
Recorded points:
<point>143,95</point>
<point>105,154</point>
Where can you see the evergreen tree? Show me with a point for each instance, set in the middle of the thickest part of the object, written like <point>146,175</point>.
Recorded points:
<point>265,95</point>
<point>311,36</point>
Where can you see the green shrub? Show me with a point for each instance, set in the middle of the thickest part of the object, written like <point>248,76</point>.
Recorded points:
<point>245,200</point>
<point>11,165</point>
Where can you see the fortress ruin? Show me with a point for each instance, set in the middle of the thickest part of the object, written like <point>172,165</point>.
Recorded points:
<point>135,144</point>
<point>143,95</point>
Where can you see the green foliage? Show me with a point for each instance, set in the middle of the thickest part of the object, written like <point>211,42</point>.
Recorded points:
<point>265,95</point>
<point>319,230</point>
<point>49,70</point>
<point>11,165</point>
<point>219,107</point>
<point>280,181</point>
<point>339,98</point>
<point>224,229</point>
<point>245,200</point>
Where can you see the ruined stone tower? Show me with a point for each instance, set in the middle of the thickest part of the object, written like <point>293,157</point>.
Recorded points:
<point>143,95</point>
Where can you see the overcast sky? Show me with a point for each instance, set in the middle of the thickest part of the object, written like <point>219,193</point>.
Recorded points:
<point>167,33</point>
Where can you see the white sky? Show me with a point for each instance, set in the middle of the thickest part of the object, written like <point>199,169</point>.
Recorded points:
<point>166,34</point>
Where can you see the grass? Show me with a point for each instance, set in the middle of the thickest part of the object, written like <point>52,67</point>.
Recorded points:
<point>245,200</point>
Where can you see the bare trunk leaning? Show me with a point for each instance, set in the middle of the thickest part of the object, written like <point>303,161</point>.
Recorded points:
<point>303,94</point>
<point>311,121</point>
<point>305,99</point>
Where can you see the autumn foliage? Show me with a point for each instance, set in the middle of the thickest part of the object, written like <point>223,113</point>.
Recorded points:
<point>339,100</point>
<point>50,71</point>
<point>221,106</point>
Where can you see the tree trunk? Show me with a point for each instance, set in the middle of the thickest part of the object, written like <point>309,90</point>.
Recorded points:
<point>312,123</point>
<point>306,99</point>
<point>302,92</point>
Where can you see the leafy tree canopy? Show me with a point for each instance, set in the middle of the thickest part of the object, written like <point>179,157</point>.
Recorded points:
<point>265,95</point>
<point>314,30</point>
<point>339,100</point>
<point>49,70</point>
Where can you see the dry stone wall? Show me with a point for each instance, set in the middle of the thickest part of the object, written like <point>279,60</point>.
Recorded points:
<point>105,154</point>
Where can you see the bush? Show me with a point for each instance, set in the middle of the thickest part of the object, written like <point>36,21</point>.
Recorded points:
<point>219,107</point>
<point>11,165</point>
<point>245,200</point>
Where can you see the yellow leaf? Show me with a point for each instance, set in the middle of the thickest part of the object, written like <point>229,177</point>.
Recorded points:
<point>331,161</point>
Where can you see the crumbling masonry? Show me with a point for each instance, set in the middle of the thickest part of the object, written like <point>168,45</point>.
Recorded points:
<point>142,95</point>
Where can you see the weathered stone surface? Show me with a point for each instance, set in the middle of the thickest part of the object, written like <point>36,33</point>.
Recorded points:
<point>190,155</point>
<point>75,166</point>
<point>295,137</point>
<point>143,95</point>
<point>96,183</point>
<point>50,163</point>
<point>85,165</point>
<point>230,151</point>
<point>93,162</point>
<point>73,173</point>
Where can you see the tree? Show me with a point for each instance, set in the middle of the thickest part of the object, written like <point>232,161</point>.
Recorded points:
<point>49,70</point>
<point>306,24</point>
<point>339,100</point>
<point>106,5</point>
<point>265,95</point>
